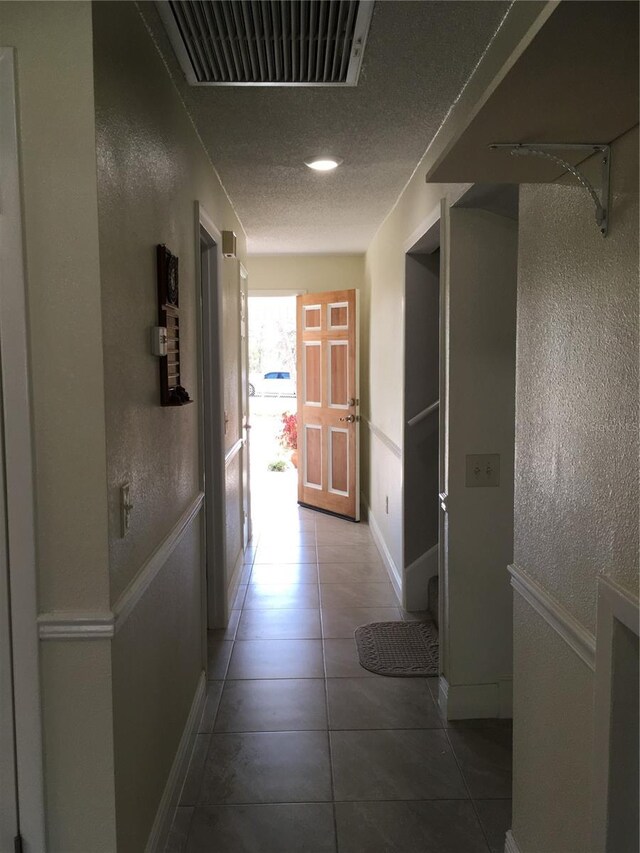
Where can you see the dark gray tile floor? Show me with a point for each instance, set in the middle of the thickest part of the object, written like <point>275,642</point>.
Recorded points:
<point>300,749</point>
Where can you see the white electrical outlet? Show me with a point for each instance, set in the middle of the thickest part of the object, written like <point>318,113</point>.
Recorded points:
<point>126,508</point>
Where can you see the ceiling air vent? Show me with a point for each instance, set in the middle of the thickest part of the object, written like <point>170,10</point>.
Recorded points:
<point>268,42</point>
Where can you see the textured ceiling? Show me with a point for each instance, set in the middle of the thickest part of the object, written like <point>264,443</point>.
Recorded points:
<point>418,57</point>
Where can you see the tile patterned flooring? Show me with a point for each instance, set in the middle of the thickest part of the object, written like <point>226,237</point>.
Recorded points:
<point>300,749</point>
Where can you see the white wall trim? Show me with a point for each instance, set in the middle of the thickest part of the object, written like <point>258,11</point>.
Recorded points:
<point>383,437</point>
<point>76,625</point>
<point>233,451</point>
<point>510,845</point>
<point>417,576</point>
<point>558,617</point>
<point>620,602</point>
<point>177,774</point>
<point>19,474</point>
<point>83,625</point>
<point>392,570</point>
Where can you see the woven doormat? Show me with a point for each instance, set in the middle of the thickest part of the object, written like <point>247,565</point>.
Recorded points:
<point>401,649</point>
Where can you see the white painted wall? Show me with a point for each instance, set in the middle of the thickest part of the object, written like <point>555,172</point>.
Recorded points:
<point>151,169</point>
<point>54,64</point>
<point>576,497</point>
<point>312,273</point>
<point>480,250</point>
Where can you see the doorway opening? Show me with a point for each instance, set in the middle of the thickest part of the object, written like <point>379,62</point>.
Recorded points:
<point>459,427</point>
<point>273,403</point>
<point>421,458</point>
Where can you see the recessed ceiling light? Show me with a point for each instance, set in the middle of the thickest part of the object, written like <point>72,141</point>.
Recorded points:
<point>323,164</point>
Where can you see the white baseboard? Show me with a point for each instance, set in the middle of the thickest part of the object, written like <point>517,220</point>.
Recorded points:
<point>393,571</point>
<point>475,701</point>
<point>510,845</point>
<point>169,800</point>
<point>416,579</point>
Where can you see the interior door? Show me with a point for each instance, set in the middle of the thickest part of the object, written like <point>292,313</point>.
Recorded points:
<point>328,402</point>
<point>244,403</point>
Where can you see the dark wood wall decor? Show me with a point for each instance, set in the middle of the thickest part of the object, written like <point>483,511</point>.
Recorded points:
<point>171,391</point>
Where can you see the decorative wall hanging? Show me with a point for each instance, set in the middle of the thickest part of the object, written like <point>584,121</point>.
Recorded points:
<point>171,391</point>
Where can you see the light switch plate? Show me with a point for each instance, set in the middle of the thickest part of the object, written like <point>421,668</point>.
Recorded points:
<point>483,469</point>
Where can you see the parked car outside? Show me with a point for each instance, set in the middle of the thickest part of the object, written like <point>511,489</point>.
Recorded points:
<point>274,383</point>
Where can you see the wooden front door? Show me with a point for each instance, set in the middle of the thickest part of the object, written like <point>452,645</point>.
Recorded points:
<point>328,404</point>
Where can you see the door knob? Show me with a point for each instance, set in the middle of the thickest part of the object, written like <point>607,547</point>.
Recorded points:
<point>352,401</point>
<point>350,419</point>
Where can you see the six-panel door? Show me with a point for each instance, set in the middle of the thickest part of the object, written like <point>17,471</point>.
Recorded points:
<point>328,423</point>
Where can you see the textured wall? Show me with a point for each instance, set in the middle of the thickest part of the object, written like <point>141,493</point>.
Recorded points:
<point>577,413</point>
<point>576,500</point>
<point>151,169</point>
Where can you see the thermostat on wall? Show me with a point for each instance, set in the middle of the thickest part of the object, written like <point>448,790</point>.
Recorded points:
<point>159,341</point>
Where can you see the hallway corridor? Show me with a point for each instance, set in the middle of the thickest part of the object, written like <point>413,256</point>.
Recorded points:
<point>300,749</point>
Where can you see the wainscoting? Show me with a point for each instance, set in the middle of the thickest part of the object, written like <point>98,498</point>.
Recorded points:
<point>157,662</point>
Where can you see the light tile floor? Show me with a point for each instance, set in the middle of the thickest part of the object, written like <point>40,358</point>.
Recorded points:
<point>300,749</point>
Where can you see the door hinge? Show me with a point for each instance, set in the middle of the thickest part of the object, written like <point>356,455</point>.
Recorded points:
<point>17,844</point>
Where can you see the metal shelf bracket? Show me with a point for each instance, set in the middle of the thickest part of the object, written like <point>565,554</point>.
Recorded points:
<point>545,149</point>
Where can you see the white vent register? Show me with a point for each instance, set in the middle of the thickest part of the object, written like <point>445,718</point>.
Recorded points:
<point>268,42</point>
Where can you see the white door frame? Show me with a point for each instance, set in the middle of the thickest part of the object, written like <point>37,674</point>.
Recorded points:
<point>414,588</point>
<point>245,410</point>
<point>443,426</point>
<point>211,383</point>
<point>19,475</point>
